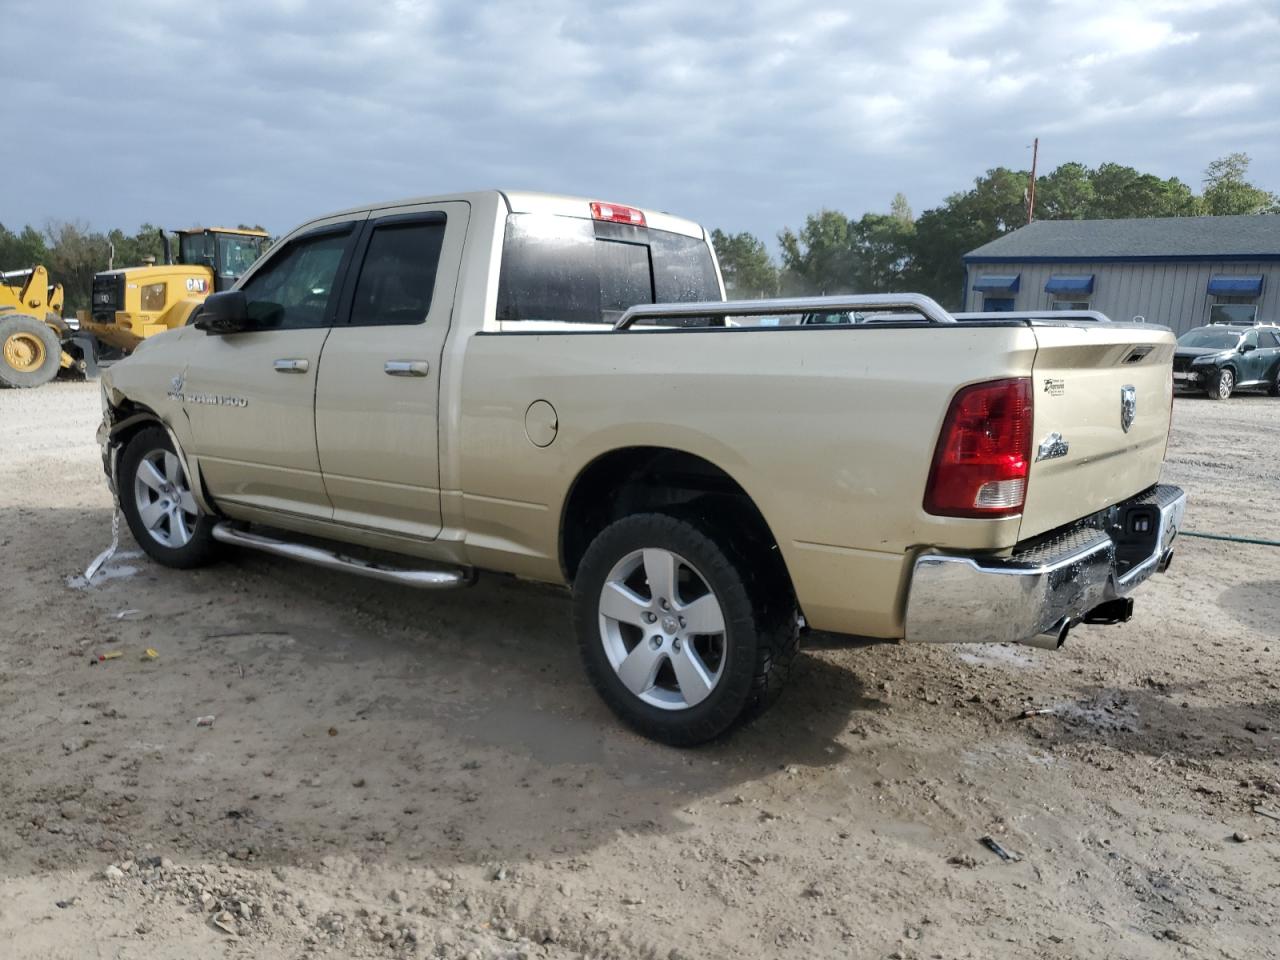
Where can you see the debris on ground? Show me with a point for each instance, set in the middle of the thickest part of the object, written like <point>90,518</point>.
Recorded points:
<point>991,844</point>
<point>206,721</point>
<point>1034,712</point>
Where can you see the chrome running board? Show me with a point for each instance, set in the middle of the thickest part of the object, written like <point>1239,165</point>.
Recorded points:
<point>442,578</point>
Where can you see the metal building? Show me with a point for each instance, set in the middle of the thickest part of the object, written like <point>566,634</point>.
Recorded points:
<point>1178,271</point>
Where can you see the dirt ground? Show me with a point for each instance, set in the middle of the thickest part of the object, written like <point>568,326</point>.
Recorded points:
<point>400,774</point>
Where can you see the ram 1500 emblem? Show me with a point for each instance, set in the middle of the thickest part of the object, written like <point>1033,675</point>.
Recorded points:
<point>1128,406</point>
<point>1052,447</point>
<point>176,392</point>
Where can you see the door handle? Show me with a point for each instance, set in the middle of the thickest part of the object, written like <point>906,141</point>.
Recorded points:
<point>291,366</point>
<point>406,368</point>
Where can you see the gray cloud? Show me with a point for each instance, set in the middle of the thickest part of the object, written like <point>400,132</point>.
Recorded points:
<point>743,116</point>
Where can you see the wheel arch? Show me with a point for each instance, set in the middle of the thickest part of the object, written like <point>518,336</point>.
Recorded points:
<point>637,479</point>
<point>129,418</point>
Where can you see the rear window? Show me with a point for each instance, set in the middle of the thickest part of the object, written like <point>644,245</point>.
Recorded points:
<point>585,271</point>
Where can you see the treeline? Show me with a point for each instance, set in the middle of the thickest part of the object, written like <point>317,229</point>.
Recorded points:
<point>73,253</point>
<point>896,251</point>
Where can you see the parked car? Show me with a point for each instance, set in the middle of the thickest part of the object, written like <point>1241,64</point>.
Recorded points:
<point>484,382</point>
<point>1220,358</point>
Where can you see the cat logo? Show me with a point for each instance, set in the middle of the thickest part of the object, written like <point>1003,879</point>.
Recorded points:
<point>197,285</point>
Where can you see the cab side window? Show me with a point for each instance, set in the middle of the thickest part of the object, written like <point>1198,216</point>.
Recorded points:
<point>296,287</point>
<point>398,273</point>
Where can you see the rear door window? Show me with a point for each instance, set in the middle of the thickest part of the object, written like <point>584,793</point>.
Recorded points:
<point>575,270</point>
<point>398,271</point>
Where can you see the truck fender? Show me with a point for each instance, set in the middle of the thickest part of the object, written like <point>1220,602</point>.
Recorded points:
<point>118,435</point>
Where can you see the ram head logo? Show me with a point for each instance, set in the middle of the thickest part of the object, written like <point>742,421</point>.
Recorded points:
<point>1128,406</point>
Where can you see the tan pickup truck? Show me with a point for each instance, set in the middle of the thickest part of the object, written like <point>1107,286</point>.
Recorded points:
<point>554,388</point>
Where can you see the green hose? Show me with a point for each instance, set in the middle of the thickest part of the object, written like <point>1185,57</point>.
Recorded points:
<point>1230,539</point>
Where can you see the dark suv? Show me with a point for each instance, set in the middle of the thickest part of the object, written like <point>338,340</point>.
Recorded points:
<point>1220,359</point>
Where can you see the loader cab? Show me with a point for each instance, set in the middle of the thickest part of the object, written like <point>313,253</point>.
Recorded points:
<point>226,253</point>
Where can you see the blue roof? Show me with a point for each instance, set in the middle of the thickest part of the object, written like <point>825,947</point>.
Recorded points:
<point>1235,285</point>
<point>1069,283</point>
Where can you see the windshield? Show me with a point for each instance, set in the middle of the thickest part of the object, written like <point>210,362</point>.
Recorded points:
<point>1205,337</point>
<point>574,270</point>
<point>236,253</point>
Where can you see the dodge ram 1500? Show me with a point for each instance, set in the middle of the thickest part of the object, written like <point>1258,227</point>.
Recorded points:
<point>555,388</point>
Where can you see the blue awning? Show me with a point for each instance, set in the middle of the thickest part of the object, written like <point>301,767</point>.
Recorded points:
<point>1235,285</point>
<point>1069,283</point>
<point>997,283</point>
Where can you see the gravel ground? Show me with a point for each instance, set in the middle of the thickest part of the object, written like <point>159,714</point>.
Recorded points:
<point>399,774</point>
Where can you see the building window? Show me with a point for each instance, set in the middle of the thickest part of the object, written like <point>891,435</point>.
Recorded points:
<point>1071,304</point>
<point>997,304</point>
<point>1237,310</point>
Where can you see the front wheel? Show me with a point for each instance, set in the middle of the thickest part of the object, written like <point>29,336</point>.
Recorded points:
<point>156,498</point>
<point>669,633</point>
<point>1226,382</point>
<point>30,354</point>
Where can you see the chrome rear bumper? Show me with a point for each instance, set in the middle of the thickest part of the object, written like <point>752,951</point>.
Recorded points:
<point>1039,592</point>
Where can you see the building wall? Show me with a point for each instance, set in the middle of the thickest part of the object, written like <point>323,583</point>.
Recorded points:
<point>1171,292</point>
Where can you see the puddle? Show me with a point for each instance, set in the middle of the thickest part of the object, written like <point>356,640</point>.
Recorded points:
<point>996,655</point>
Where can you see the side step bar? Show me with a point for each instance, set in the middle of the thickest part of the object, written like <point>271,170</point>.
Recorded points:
<point>443,578</point>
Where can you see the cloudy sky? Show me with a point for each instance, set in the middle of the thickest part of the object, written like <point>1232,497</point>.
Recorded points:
<point>743,116</point>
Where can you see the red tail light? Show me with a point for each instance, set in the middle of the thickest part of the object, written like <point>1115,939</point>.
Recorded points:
<point>984,452</point>
<point>617,213</point>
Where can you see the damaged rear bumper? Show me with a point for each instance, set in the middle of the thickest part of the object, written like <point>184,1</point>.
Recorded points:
<point>1084,572</point>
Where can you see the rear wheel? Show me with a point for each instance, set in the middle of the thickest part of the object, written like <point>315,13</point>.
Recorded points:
<point>1274,389</point>
<point>30,353</point>
<point>1222,387</point>
<point>669,633</point>
<point>156,498</point>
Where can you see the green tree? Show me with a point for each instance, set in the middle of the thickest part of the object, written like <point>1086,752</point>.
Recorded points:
<point>131,250</point>
<point>1066,193</point>
<point>819,258</point>
<point>18,251</point>
<point>900,209</point>
<point>745,264</point>
<point>1121,192</point>
<point>1226,191</point>
<point>75,255</point>
<point>942,236</point>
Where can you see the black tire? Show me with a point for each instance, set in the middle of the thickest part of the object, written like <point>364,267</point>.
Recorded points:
<point>24,336</point>
<point>760,639</point>
<point>1274,389</point>
<point>200,548</point>
<point>1223,384</point>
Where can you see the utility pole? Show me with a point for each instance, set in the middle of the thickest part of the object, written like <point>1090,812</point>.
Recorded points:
<point>1031,187</point>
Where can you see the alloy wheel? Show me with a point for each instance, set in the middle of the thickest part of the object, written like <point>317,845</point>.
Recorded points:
<point>663,629</point>
<point>164,500</point>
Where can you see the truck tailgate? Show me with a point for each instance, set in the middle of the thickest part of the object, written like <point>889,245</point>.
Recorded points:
<point>1083,377</point>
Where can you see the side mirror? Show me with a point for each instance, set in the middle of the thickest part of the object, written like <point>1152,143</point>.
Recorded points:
<point>1248,347</point>
<point>223,313</point>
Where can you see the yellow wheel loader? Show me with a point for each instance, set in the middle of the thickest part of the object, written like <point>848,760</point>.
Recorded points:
<point>35,342</point>
<point>133,303</point>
